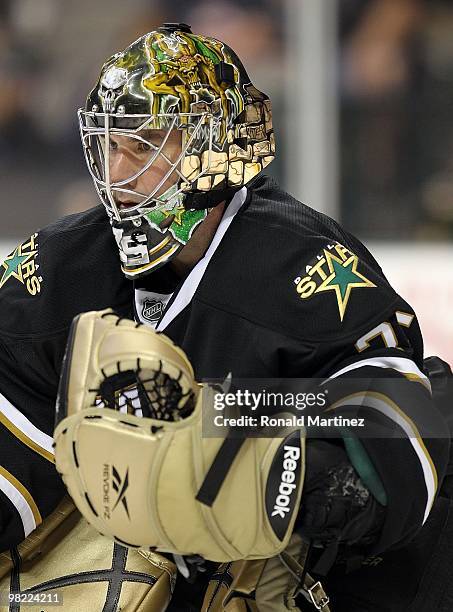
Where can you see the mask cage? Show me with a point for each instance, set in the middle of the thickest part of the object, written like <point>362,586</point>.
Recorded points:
<point>97,130</point>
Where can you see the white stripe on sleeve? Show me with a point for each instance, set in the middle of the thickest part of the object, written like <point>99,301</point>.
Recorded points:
<point>386,406</point>
<point>25,426</point>
<point>20,503</point>
<point>403,365</point>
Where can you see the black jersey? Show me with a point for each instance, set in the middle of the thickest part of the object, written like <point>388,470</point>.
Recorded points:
<point>282,291</point>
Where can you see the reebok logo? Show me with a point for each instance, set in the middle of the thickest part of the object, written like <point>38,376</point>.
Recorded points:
<point>117,482</point>
<point>120,485</point>
<point>287,482</point>
<point>284,483</point>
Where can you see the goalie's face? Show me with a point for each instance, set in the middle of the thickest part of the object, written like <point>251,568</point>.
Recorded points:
<point>136,162</point>
<point>172,118</point>
<point>129,156</point>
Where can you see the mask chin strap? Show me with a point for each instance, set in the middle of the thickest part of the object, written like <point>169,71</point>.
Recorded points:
<point>208,199</point>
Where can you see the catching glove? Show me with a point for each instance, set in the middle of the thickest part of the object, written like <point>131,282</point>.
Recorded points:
<point>152,480</point>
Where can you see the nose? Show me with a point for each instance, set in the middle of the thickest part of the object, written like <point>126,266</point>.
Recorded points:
<point>121,168</point>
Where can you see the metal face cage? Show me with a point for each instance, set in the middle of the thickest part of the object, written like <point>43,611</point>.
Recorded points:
<point>100,133</point>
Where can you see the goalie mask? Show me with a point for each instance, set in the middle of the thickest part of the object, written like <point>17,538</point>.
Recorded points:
<point>172,128</point>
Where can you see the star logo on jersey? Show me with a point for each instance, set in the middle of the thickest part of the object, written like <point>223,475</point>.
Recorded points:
<point>20,265</point>
<point>335,269</point>
<point>342,279</point>
<point>13,265</point>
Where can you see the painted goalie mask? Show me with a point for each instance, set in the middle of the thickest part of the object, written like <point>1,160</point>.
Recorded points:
<point>172,128</point>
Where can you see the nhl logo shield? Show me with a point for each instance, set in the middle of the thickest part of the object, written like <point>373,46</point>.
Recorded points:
<point>152,310</point>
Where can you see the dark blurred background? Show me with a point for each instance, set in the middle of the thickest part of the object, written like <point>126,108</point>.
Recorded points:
<point>390,137</point>
<point>50,55</point>
<point>396,118</point>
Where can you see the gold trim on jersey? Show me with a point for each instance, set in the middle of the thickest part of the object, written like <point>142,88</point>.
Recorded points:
<point>418,379</point>
<point>410,429</point>
<point>24,492</point>
<point>404,318</point>
<point>20,435</point>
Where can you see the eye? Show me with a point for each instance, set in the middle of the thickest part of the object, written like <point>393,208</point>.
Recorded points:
<point>113,145</point>
<point>144,146</point>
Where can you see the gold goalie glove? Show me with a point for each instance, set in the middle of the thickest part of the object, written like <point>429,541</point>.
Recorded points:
<point>129,447</point>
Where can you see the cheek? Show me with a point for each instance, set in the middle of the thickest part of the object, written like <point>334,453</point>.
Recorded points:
<point>155,172</point>
<point>173,150</point>
<point>159,169</point>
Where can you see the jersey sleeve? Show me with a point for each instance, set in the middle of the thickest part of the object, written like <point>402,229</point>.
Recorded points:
<point>404,436</point>
<point>30,487</point>
<point>364,341</point>
<point>44,283</point>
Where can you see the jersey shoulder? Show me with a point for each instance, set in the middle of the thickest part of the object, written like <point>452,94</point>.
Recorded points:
<point>272,206</point>
<point>296,271</point>
<point>70,266</point>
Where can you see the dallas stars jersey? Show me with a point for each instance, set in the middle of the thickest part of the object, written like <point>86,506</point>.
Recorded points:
<point>282,291</point>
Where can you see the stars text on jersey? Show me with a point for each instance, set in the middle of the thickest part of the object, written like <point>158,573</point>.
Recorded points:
<point>334,269</point>
<point>21,265</point>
